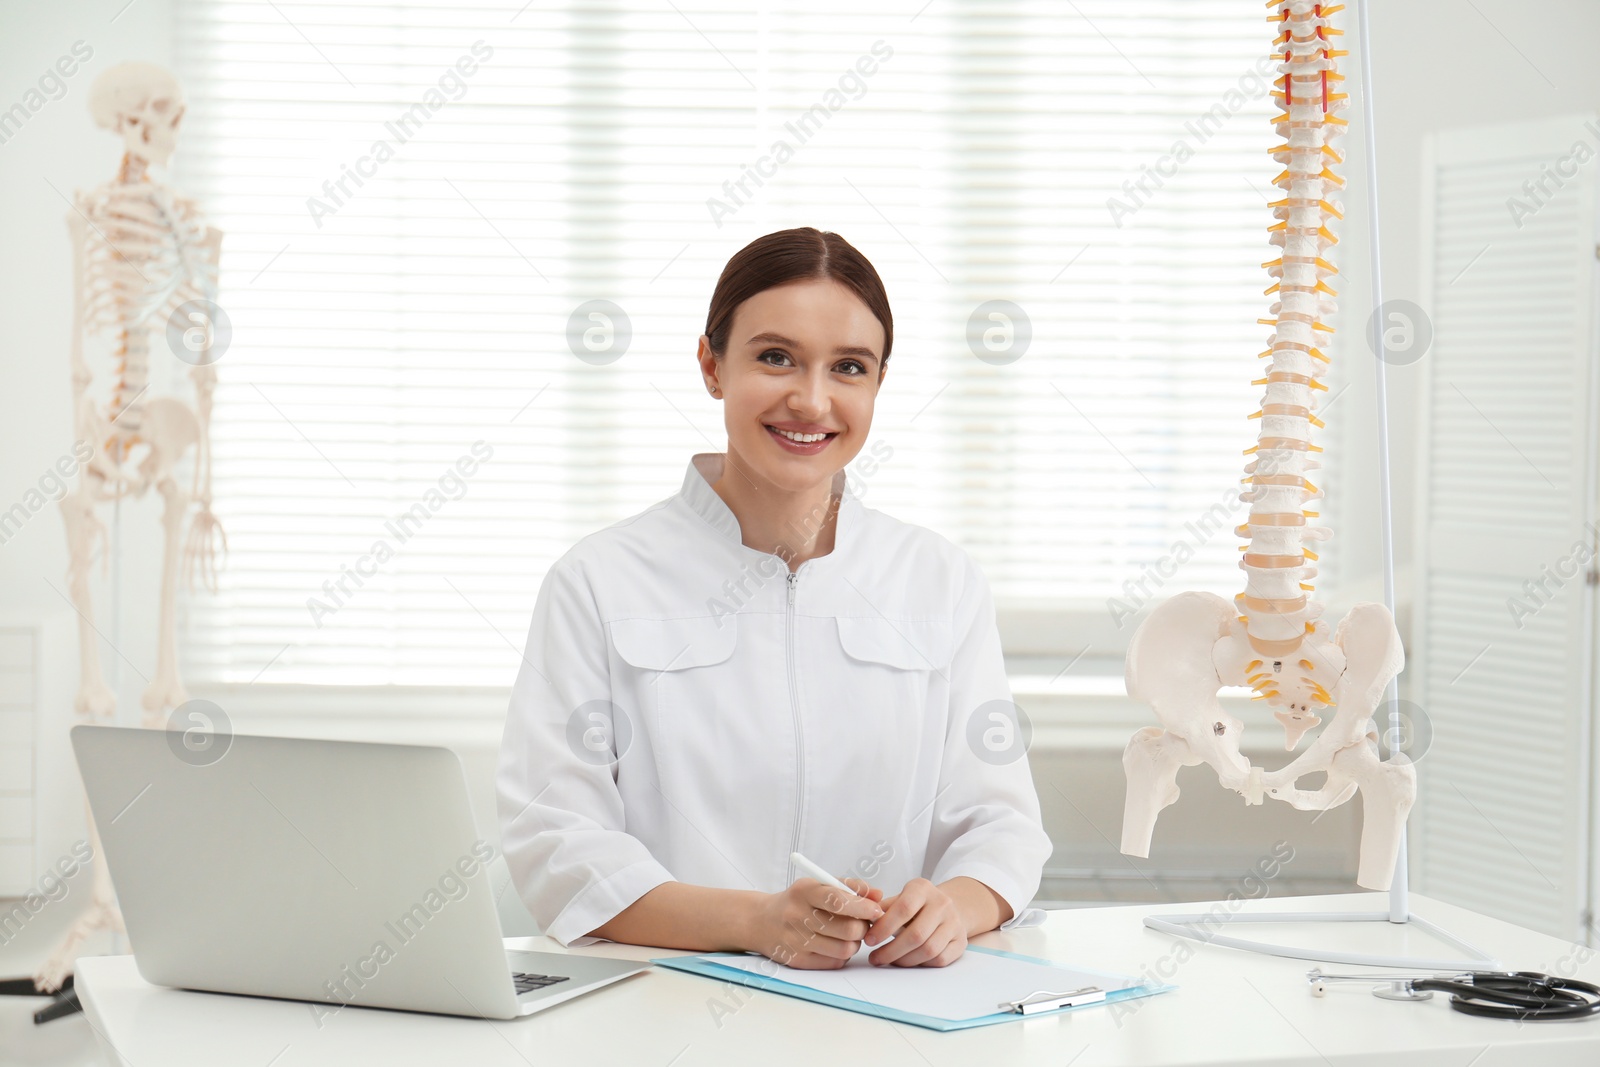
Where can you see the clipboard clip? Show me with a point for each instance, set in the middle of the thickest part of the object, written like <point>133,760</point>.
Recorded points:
<point>1044,1000</point>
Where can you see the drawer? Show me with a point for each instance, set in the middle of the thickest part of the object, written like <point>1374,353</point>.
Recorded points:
<point>16,819</point>
<point>16,650</point>
<point>16,769</point>
<point>16,873</point>
<point>16,725</point>
<point>16,686</point>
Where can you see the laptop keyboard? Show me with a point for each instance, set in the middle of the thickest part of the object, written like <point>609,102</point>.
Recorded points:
<point>526,983</point>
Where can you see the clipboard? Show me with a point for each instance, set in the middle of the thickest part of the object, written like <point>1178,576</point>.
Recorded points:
<point>1030,997</point>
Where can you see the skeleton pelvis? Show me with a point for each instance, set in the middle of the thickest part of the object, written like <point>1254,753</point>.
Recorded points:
<point>168,428</point>
<point>1194,644</point>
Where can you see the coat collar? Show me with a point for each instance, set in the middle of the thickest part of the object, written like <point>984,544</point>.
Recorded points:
<point>706,467</point>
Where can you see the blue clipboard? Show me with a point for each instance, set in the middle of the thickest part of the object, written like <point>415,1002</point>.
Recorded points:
<point>708,967</point>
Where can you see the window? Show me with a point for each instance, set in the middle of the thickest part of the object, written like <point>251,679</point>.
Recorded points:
<point>421,202</point>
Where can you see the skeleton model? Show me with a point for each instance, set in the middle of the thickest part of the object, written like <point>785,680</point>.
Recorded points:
<point>1270,640</point>
<point>140,252</point>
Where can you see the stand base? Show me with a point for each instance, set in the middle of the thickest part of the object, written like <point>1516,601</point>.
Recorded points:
<point>1190,926</point>
<point>63,1001</point>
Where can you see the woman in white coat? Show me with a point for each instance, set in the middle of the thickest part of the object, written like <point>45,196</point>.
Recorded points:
<point>761,665</point>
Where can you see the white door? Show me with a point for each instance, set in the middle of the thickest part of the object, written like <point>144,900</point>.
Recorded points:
<point>1503,641</point>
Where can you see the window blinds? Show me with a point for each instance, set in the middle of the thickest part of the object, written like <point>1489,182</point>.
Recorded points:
<point>423,202</point>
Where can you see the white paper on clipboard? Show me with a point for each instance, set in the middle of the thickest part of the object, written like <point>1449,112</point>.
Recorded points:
<point>975,985</point>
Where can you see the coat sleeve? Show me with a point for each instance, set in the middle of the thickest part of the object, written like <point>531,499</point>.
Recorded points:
<point>986,823</point>
<point>561,815</point>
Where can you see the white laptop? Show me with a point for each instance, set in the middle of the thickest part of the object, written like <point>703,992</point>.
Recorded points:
<point>326,871</point>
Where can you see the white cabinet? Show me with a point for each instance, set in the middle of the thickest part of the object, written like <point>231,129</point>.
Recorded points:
<point>18,757</point>
<point>1503,639</point>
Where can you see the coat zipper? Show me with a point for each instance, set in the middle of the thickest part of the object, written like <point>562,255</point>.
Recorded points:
<point>799,733</point>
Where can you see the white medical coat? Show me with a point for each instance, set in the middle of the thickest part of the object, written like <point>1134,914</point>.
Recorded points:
<point>689,710</point>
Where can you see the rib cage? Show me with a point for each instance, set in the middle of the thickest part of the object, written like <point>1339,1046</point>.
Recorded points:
<point>143,258</point>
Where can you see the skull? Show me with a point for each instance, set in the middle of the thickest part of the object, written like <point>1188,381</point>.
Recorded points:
<point>144,103</point>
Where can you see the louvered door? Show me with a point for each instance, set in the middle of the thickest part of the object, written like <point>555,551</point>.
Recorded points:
<point>1506,497</point>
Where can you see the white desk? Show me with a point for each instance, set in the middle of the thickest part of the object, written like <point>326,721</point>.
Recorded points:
<point>1232,1007</point>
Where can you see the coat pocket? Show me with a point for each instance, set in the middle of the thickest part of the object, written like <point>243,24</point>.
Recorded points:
<point>910,644</point>
<point>897,676</point>
<point>674,644</point>
<point>697,705</point>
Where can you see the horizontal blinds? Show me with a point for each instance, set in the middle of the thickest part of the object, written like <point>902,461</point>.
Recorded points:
<point>378,335</point>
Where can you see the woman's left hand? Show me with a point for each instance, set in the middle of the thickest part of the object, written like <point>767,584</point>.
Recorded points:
<point>927,926</point>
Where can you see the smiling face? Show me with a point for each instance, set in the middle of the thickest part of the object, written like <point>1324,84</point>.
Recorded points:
<point>798,381</point>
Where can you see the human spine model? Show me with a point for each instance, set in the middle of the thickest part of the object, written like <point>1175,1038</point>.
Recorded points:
<point>140,251</point>
<point>1271,640</point>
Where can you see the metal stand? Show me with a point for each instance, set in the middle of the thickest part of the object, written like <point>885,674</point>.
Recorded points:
<point>63,1001</point>
<point>1190,926</point>
<point>1399,912</point>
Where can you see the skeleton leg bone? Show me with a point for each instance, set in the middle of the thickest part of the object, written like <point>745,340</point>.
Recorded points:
<point>84,530</point>
<point>171,429</point>
<point>1151,762</point>
<point>101,913</point>
<point>1388,789</point>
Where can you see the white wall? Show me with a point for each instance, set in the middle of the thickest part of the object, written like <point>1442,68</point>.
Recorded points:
<point>1440,64</point>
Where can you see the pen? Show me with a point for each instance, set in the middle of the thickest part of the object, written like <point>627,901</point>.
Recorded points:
<point>819,874</point>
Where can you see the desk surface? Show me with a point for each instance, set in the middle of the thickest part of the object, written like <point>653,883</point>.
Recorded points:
<point>1231,1007</point>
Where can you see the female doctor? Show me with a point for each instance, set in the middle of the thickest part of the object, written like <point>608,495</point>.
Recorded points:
<point>760,665</point>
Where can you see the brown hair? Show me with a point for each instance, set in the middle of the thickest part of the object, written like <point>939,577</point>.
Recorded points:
<point>790,255</point>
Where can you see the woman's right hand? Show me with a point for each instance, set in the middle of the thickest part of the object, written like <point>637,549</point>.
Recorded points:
<point>814,926</point>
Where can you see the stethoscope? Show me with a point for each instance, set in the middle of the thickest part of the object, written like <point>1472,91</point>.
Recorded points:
<point>1495,994</point>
